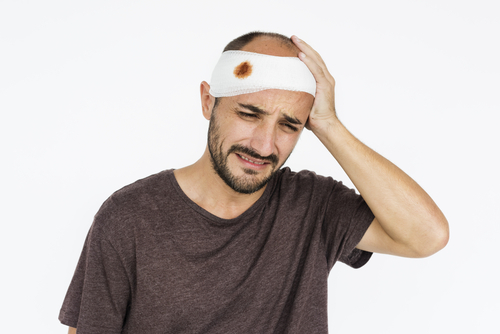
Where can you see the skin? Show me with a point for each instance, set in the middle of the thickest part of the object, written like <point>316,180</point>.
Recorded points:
<point>254,115</point>
<point>407,221</point>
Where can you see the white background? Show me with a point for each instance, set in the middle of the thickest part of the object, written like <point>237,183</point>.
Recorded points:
<point>97,94</point>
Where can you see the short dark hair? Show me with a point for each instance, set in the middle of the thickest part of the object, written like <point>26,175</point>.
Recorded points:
<point>240,42</point>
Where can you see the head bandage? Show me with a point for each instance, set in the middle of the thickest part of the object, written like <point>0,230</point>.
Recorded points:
<point>241,72</point>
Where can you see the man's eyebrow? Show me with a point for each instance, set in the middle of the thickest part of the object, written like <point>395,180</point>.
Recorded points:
<point>253,108</point>
<point>293,120</point>
<point>257,110</point>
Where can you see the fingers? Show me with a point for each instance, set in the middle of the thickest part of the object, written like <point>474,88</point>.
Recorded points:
<point>308,50</point>
<point>313,60</point>
<point>323,110</point>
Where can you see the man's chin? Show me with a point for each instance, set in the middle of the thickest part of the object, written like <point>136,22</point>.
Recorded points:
<point>249,171</point>
<point>250,182</point>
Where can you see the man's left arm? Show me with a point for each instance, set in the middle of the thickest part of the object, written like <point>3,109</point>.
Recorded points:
<point>407,221</point>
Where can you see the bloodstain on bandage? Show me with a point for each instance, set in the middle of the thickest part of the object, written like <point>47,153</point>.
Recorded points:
<point>243,70</point>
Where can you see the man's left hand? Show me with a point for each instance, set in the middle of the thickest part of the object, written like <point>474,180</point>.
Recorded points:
<point>323,114</point>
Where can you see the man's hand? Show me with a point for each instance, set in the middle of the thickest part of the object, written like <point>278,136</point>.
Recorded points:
<point>407,221</point>
<point>323,115</point>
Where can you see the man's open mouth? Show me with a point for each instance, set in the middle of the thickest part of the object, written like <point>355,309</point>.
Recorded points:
<point>249,160</point>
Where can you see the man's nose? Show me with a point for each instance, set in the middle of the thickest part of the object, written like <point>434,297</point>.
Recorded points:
<point>264,139</point>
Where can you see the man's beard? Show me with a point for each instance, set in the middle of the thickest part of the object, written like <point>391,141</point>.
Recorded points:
<point>220,164</point>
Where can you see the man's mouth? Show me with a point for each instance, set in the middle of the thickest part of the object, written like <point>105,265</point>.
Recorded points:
<point>252,158</point>
<point>249,160</point>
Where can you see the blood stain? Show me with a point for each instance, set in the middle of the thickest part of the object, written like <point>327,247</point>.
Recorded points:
<point>243,70</point>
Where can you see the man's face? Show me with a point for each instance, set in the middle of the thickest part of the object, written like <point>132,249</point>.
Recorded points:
<point>251,136</point>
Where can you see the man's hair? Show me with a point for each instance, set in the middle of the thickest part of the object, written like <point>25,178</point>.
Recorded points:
<point>240,42</point>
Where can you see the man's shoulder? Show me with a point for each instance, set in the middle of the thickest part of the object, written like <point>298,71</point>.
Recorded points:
<point>147,186</point>
<point>134,200</point>
<point>303,185</point>
<point>304,177</point>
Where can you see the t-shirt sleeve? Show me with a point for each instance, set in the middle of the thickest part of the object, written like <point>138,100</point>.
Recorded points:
<point>346,220</point>
<point>98,295</point>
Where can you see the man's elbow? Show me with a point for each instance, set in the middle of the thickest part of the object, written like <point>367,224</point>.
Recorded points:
<point>436,239</point>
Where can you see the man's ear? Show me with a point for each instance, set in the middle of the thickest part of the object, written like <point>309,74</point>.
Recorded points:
<point>207,100</point>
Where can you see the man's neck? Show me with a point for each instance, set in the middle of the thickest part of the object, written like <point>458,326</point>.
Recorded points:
<point>203,186</point>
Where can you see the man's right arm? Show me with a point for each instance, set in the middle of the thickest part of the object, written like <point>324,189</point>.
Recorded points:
<point>71,330</point>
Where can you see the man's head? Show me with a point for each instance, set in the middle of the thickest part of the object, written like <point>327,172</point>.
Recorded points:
<point>251,135</point>
<point>261,62</point>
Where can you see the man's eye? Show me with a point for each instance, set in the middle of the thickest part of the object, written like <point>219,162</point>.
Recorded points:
<point>247,115</point>
<point>291,127</point>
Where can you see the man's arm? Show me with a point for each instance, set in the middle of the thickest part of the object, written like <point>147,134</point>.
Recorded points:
<point>71,330</point>
<point>407,221</point>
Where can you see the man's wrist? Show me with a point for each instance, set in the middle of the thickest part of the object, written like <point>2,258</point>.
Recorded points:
<point>326,128</point>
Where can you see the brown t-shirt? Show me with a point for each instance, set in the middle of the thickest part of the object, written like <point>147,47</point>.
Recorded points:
<point>155,262</point>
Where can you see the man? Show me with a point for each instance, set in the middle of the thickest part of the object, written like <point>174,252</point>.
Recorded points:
<point>234,243</point>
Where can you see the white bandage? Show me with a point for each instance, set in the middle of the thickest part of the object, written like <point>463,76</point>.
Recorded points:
<point>241,72</point>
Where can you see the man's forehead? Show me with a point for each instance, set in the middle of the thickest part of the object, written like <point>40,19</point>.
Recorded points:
<point>274,97</point>
<point>293,104</point>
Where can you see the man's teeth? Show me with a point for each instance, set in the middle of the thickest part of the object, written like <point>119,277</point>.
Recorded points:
<point>254,162</point>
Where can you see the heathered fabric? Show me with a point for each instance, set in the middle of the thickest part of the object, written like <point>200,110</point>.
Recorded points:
<point>155,262</point>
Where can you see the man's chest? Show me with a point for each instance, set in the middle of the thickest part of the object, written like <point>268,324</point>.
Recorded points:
<point>195,273</point>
